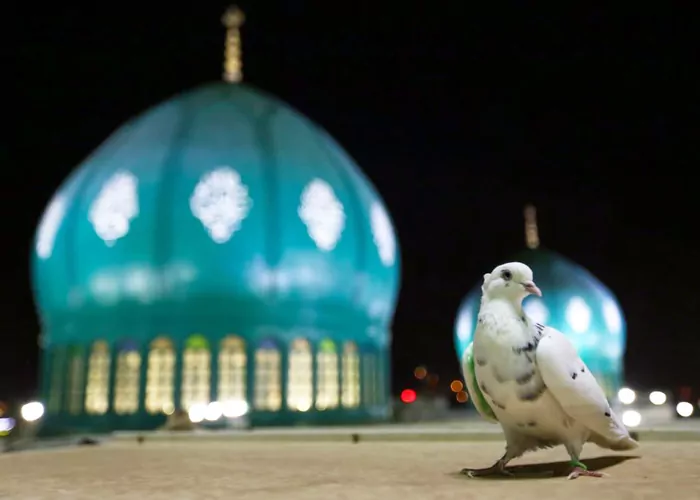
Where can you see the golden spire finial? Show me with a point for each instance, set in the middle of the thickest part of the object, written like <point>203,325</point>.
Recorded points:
<point>233,19</point>
<point>532,238</point>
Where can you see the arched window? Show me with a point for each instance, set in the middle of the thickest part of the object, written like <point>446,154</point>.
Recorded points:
<point>369,379</point>
<point>268,383</point>
<point>232,370</point>
<point>127,378</point>
<point>328,383</point>
<point>97,389</point>
<point>350,376</point>
<point>160,377</point>
<point>300,382</point>
<point>76,384</point>
<point>57,381</point>
<point>196,372</point>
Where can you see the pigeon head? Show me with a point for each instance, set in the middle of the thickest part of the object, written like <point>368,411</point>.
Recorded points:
<point>512,281</point>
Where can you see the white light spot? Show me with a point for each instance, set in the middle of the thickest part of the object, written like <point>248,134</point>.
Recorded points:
<point>464,326</point>
<point>657,398</point>
<point>214,411</point>
<point>322,213</point>
<point>31,412</point>
<point>631,418</point>
<point>221,201</point>
<point>613,318</point>
<point>684,409</point>
<point>197,412</point>
<point>115,206</point>
<point>383,234</point>
<point>48,227</point>
<point>578,315</point>
<point>536,309</point>
<point>626,396</point>
<point>235,408</point>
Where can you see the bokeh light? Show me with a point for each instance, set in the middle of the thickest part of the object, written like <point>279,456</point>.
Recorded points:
<point>456,386</point>
<point>420,372</point>
<point>462,397</point>
<point>408,396</point>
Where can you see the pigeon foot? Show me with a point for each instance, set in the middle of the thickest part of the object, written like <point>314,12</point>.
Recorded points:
<point>581,470</point>
<point>497,469</point>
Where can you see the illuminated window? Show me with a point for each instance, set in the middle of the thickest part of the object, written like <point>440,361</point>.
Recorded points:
<point>578,314</point>
<point>369,380</point>
<point>196,372</point>
<point>160,377</point>
<point>300,376</point>
<point>350,376</point>
<point>126,383</point>
<point>232,370</point>
<point>58,377</point>
<point>117,204</point>
<point>328,383</point>
<point>76,384</point>
<point>97,389</point>
<point>322,213</point>
<point>268,385</point>
<point>221,202</point>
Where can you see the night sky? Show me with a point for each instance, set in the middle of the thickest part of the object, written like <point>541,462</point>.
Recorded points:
<point>459,117</point>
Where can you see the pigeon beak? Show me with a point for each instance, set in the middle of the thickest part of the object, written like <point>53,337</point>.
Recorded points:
<point>530,287</point>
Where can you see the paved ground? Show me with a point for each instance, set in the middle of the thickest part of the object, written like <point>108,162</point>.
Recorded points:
<point>332,470</point>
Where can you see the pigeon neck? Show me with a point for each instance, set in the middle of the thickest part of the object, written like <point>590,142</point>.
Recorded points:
<point>503,305</point>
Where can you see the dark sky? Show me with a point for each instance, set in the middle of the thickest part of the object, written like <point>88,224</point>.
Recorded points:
<point>458,116</point>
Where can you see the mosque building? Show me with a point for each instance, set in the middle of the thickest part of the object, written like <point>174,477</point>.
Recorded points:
<point>219,254</point>
<point>573,301</point>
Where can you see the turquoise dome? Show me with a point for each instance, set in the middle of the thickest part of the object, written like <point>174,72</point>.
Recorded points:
<point>575,303</point>
<point>228,200</point>
<point>222,210</point>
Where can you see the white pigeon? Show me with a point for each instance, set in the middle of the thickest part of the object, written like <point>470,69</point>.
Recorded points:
<point>529,378</point>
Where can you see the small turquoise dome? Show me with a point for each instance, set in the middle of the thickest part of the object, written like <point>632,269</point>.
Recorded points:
<point>575,303</point>
<point>220,211</point>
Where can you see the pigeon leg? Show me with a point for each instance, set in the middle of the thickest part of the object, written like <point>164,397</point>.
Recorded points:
<point>579,469</point>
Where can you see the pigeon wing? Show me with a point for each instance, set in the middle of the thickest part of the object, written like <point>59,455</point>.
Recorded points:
<point>577,391</point>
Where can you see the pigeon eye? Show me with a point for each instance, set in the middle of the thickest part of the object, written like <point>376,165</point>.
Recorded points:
<point>506,275</point>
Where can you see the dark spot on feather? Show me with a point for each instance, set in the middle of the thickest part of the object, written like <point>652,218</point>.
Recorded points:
<point>520,424</point>
<point>524,379</point>
<point>481,320</point>
<point>480,362</point>
<point>482,386</point>
<point>507,285</point>
<point>522,318</point>
<point>607,413</point>
<point>502,407</point>
<point>574,375</point>
<point>529,347</point>
<point>497,375</point>
<point>531,424</point>
<point>528,357</point>
<point>583,370</point>
<point>532,394</point>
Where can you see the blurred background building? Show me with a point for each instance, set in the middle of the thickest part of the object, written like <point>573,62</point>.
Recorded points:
<point>222,255</point>
<point>573,301</point>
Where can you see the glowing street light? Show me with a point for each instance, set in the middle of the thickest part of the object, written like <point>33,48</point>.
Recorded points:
<point>626,396</point>
<point>31,412</point>
<point>631,418</point>
<point>684,409</point>
<point>657,398</point>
